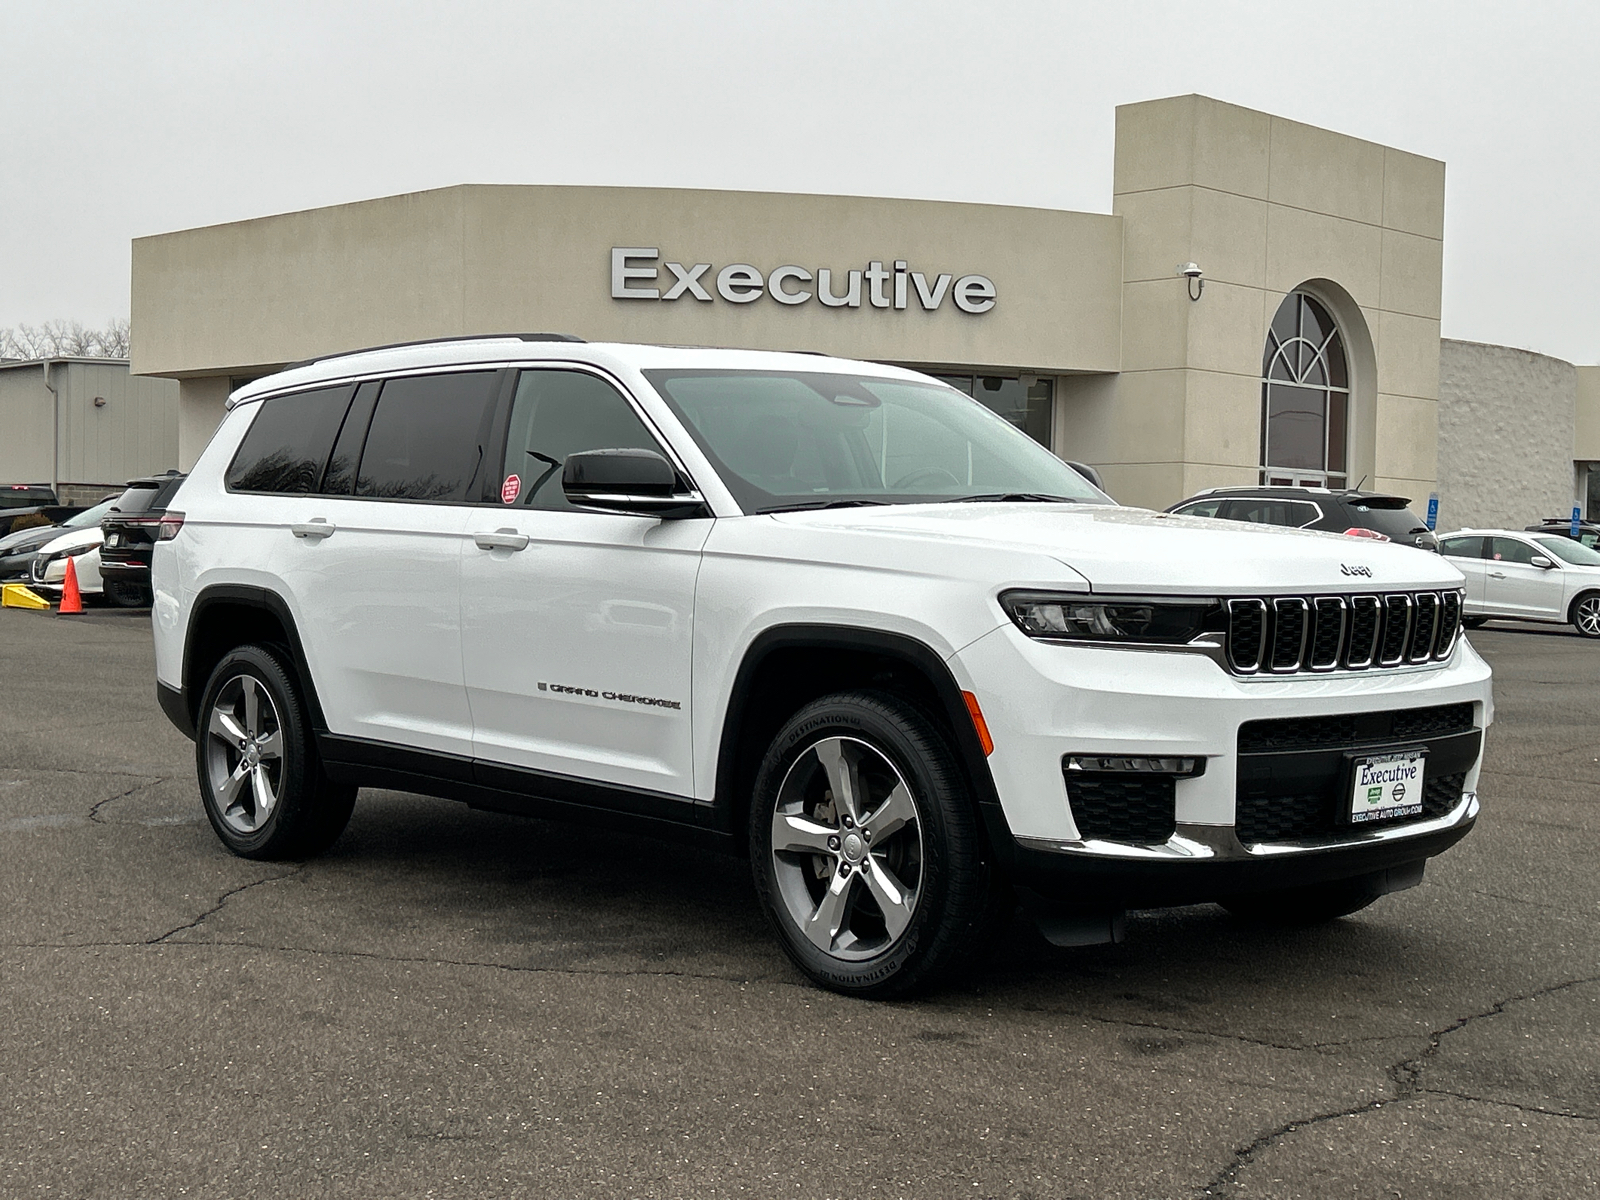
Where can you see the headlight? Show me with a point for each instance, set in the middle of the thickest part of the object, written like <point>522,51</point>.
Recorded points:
<point>1124,619</point>
<point>69,552</point>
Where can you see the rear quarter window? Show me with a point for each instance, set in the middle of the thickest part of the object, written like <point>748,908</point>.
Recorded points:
<point>288,443</point>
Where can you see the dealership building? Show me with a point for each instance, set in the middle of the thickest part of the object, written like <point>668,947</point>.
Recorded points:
<point>1261,304</point>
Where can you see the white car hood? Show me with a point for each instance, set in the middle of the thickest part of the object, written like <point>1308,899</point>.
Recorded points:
<point>1133,549</point>
<point>74,539</point>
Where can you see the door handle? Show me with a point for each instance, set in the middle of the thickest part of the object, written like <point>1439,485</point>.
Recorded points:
<point>501,539</point>
<point>1497,574</point>
<point>316,528</point>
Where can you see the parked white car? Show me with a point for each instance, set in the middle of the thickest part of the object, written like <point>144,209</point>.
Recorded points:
<point>49,570</point>
<point>834,615</point>
<point>1524,576</point>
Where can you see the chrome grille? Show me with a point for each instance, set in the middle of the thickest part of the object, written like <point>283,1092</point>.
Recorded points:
<point>1289,634</point>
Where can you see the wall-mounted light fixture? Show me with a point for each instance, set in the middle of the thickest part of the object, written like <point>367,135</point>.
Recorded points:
<point>1196,277</point>
<point>99,401</point>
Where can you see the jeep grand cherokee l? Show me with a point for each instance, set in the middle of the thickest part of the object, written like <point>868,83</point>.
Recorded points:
<point>835,615</point>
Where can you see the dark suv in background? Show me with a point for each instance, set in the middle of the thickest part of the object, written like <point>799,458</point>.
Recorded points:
<point>1588,532</point>
<point>31,506</point>
<point>130,530</point>
<point>1374,515</point>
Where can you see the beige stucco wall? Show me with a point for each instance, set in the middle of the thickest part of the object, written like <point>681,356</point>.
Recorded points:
<point>1506,434</point>
<point>1264,205</point>
<point>240,298</point>
<point>1586,415</point>
<point>135,432</point>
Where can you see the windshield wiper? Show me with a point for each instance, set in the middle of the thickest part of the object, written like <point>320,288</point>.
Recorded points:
<point>815,504</point>
<point>1024,497</point>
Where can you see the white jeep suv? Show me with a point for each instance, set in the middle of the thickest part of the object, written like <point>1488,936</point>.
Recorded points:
<point>836,615</point>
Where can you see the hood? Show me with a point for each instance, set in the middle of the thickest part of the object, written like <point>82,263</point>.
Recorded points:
<point>1133,549</point>
<point>29,539</point>
<point>73,538</point>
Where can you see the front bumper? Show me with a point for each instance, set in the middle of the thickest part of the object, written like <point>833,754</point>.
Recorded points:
<point>1045,701</point>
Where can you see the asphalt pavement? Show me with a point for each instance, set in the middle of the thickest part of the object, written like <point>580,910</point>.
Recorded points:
<point>453,1003</point>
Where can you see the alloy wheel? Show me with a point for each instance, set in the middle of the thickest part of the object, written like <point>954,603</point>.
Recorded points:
<point>244,754</point>
<point>1587,616</point>
<point>847,848</point>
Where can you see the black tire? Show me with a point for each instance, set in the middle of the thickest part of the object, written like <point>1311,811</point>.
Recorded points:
<point>1314,904</point>
<point>308,812</point>
<point>951,898</point>
<point>1585,615</point>
<point>127,595</point>
<point>1474,622</point>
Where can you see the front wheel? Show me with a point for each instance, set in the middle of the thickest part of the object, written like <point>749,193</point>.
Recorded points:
<point>263,785</point>
<point>1474,622</point>
<point>1586,615</point>
<point>865,847</point>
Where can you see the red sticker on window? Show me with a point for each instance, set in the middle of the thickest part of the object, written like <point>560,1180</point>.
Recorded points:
<point>510,489</point>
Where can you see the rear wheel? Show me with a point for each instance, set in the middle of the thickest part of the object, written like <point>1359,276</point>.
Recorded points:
<point>127,595</point>
<point>865,847</point>
<point>1585,614</point>
<point>264,788</point>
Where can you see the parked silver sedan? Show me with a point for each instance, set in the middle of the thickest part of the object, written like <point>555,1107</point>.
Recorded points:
<point>1527,576</point>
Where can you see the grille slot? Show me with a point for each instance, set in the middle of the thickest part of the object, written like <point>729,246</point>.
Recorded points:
<point>1120,806</point>
<point>1366,618</point>
<point>1396,630</point>
<point>1329,633</point>
<point>1426,606</point>
<point>1449,623</point>
<point>1289,633</point>
<point>1247,634</point>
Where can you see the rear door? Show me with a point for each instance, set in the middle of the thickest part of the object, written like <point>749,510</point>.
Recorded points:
<point>1466,554</point>
<point>1515,587</point>
<point>577,626</point>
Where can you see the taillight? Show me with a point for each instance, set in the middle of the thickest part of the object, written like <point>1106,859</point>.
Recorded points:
<point>171,522</point>
<point>1356,531</point>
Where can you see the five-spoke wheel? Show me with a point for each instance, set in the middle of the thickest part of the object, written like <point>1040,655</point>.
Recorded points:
<point>865,847</point>
<point>244,753</point>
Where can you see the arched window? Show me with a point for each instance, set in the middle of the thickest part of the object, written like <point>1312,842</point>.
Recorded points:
<point>1305,398</point>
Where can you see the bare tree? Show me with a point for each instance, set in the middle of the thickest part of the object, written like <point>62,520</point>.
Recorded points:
<point>64,339</point>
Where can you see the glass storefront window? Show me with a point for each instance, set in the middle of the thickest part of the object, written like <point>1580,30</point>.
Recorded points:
<point>1030,408</point>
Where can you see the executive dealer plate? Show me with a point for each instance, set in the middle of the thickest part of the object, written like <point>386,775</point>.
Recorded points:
<point>1386,786</point>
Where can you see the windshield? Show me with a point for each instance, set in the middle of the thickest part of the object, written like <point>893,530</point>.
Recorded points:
<point>89,516</point>
<point>785,440</point>
<point>1569,551</point>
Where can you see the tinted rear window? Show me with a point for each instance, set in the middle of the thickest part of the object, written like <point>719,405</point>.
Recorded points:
<point>25,497</point>
<point>425,441</point>
<point>135,499</point>
<point>289,441</point>
<point>1393,523</point>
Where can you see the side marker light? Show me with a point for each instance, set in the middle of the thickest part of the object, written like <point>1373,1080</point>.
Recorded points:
<point>979,725</point>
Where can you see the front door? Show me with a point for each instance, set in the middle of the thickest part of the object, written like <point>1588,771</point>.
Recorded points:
<point>577,626</point>
<point>1515,587</point>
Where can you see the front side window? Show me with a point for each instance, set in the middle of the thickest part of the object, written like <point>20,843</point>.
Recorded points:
<point>810,439</point>
<point>287,444</point>
<point>426,437</point>
<point>1510,550</point>
<point>1305,398</point>
<point>1570,551</point>
<point>557,413</point>
<point>1203,508</point>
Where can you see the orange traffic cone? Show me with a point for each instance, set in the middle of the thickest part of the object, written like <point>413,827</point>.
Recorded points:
<point>71,602</point>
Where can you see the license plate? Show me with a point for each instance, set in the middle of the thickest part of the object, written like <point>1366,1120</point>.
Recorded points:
<point>1387,786</point>
<point>114,539</point>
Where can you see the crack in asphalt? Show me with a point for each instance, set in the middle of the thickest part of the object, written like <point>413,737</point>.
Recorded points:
<point>1405,1081</point>
<point>94,812</point>
<point>221,901</point>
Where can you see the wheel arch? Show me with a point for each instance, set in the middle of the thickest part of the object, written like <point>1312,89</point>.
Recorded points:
<point>788,666</point>
<point>225,616</point>
<point>1572,609</point>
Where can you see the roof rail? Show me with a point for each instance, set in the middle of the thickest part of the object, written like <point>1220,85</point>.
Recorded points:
<point>461,337</point>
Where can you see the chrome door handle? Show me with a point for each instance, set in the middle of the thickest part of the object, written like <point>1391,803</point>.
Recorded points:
<point>501,539</point>
<point>313,529</point>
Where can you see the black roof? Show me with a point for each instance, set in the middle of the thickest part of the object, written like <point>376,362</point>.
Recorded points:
<point>1349,495</point>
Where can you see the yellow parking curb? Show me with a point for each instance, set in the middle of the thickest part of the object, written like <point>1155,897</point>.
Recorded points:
<point>15,595</point>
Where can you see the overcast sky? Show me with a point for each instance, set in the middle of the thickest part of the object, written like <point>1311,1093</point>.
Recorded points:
<point>123,119</point>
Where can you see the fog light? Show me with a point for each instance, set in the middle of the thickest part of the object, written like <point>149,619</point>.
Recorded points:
<point>1136,765</point>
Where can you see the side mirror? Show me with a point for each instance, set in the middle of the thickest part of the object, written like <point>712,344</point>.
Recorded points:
<point>1088,473</point>
<point>1540,560</point>
<point>625,480</point>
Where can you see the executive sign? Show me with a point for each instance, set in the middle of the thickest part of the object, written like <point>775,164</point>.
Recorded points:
<point>637,273</point>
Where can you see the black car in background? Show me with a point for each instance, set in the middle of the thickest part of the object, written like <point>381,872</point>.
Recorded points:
<point>1588,532</point>
<point>31,506</point>
<point>1358,514</point>
<point>17,549</point>
<point>130,529</point>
